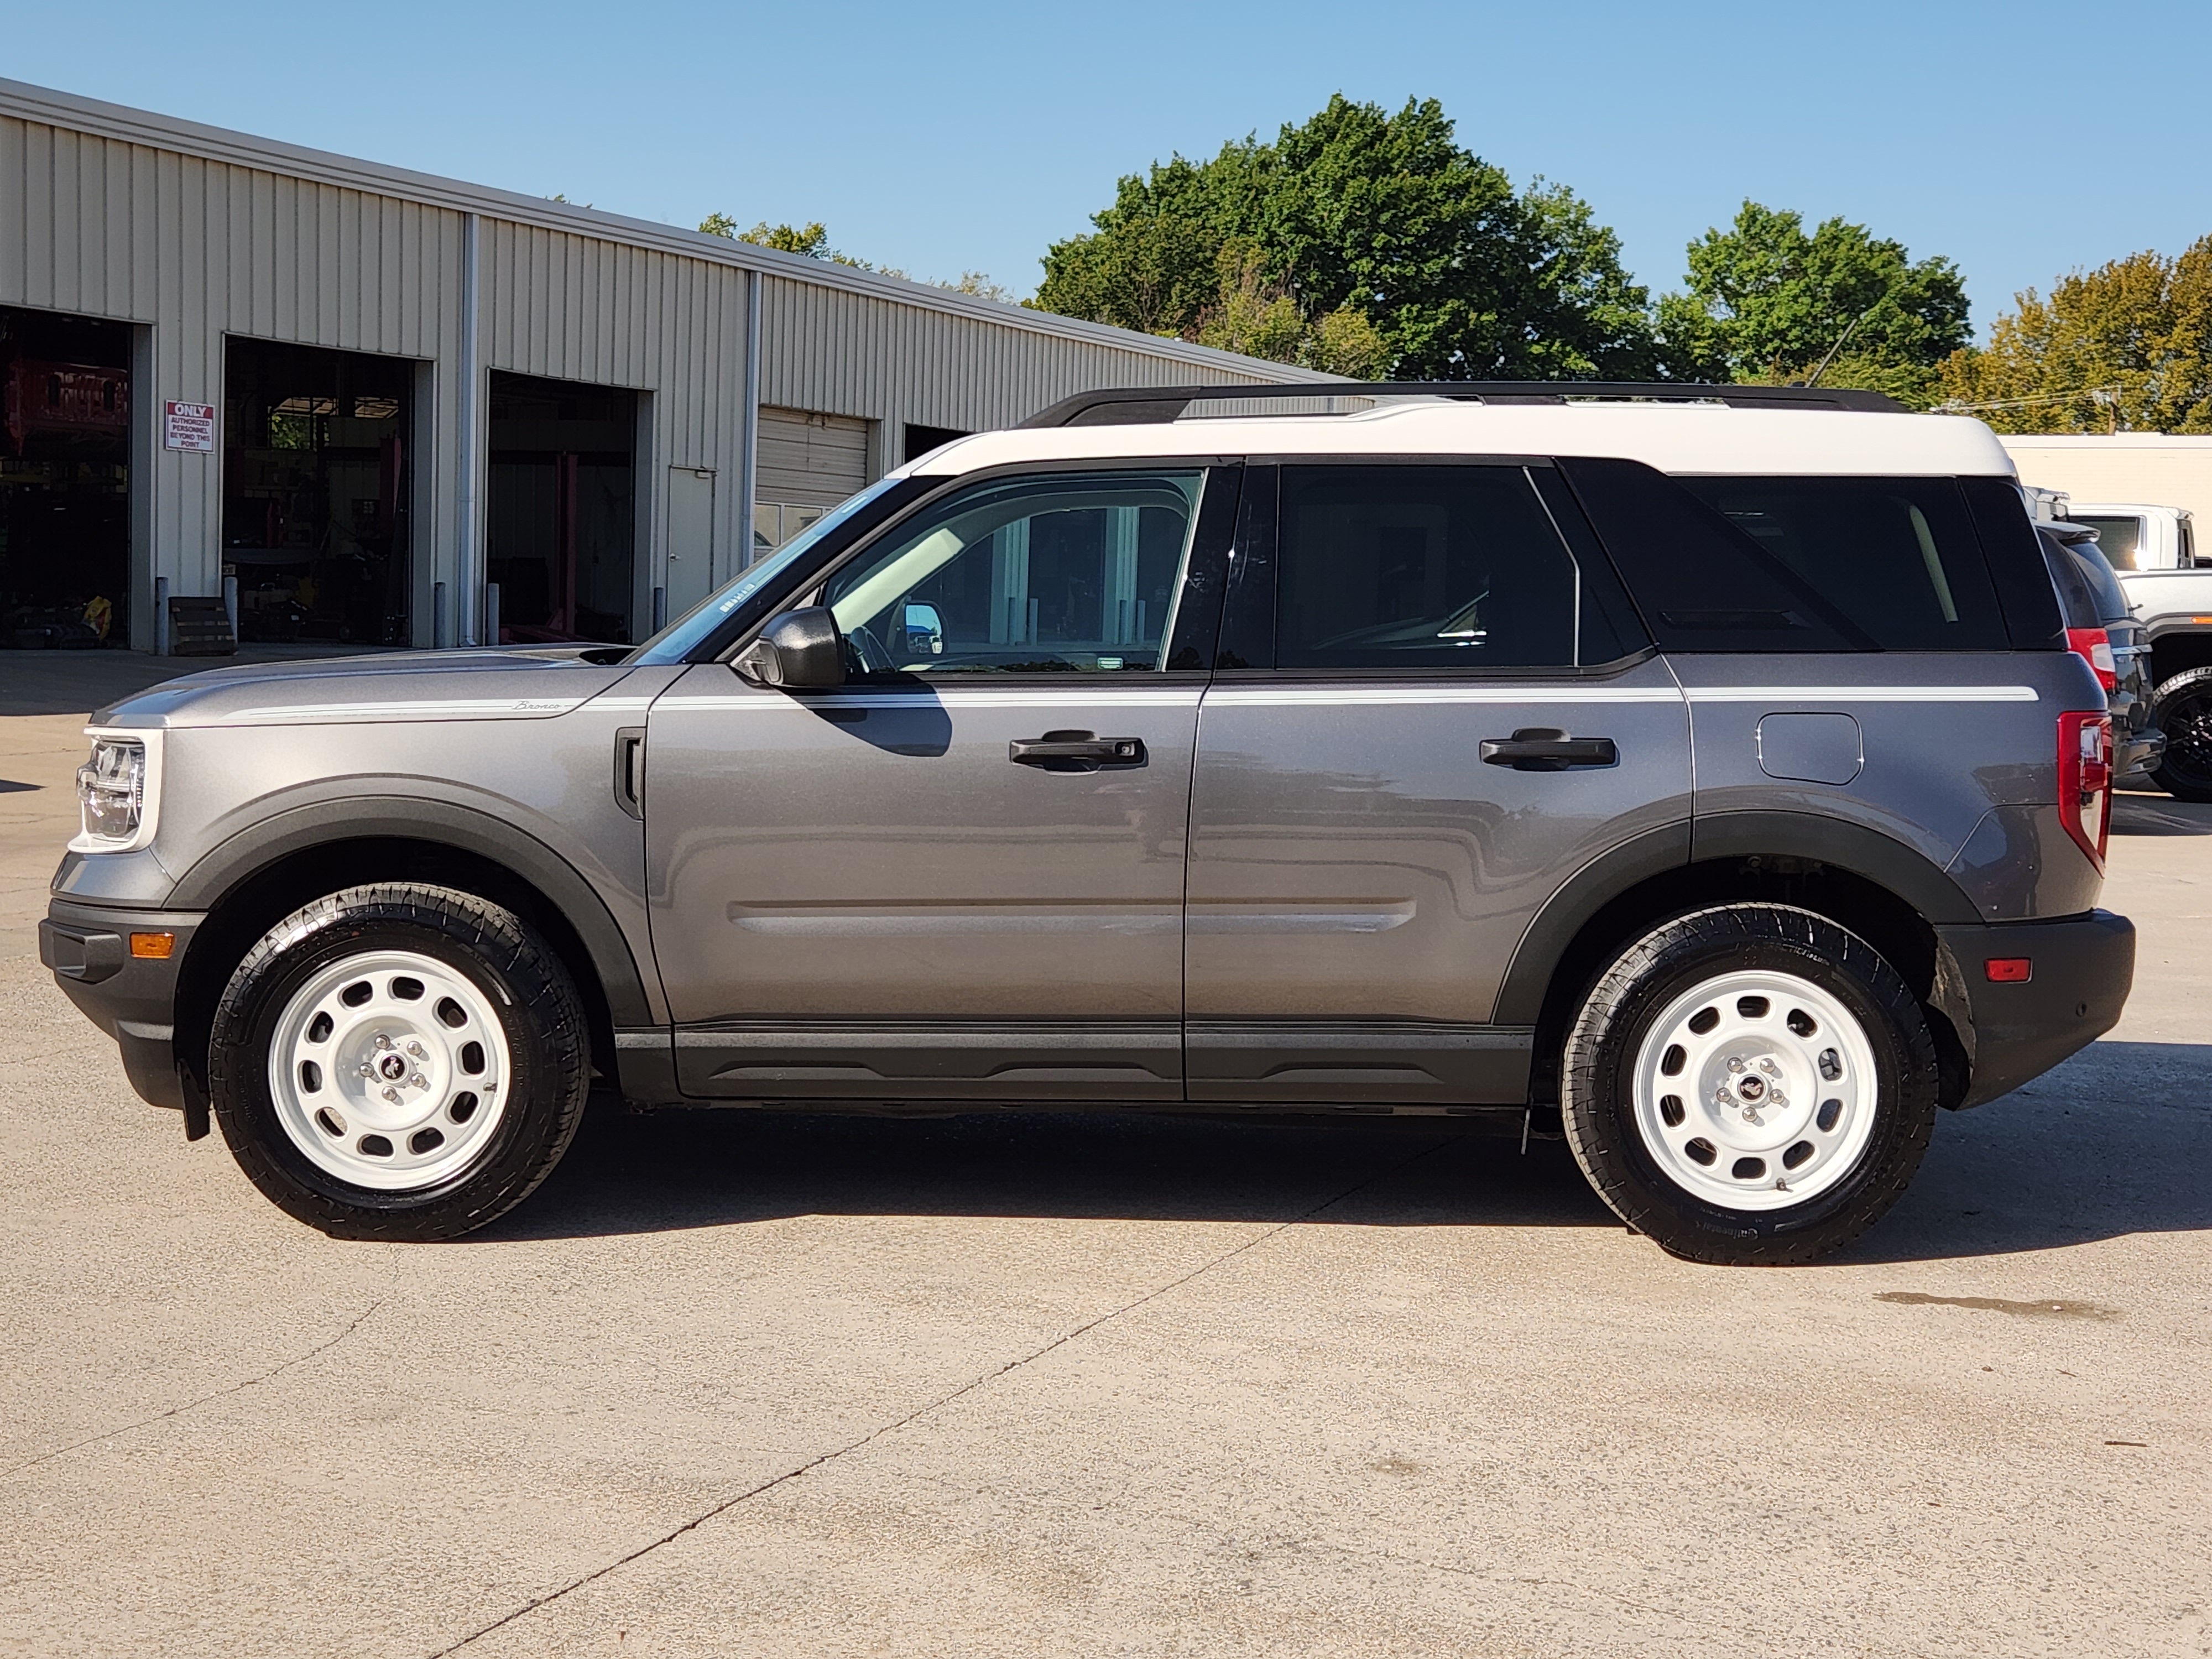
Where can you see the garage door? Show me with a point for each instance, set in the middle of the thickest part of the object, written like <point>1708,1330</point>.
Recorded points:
<point>808,463</point>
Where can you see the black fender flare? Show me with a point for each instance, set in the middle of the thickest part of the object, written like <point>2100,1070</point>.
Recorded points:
<point>407,818</point>
<point>1836,842</point>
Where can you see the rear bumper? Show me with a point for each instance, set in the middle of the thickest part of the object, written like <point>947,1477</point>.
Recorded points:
<point>2138,757</point>
<point>2083,968</point>
<point>132,998</point>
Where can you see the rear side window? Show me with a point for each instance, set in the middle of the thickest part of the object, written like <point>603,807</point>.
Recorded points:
<point>1898,557</point>
<point>1420,568</point>
<point>2077,598</point>
<point>1700,582</point>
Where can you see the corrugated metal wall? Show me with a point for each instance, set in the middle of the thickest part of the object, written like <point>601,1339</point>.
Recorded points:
<point>823,347</point>
<point>196,234</point>
<point>197,251</point>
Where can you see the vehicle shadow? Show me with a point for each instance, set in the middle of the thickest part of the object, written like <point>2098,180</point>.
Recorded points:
<point>679,1168</point>
<point>2112,1143</point>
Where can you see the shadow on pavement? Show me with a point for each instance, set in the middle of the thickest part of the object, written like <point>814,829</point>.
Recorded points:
<point>2113,1143</point>
<point>2159,815</point>
<point>678,1168</point>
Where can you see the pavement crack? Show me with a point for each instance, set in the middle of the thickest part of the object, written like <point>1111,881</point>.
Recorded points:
<point>938,1404</point>
<point>322,1348</point>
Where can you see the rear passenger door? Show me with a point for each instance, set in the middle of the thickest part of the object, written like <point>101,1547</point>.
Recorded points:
<point>1432,706</point>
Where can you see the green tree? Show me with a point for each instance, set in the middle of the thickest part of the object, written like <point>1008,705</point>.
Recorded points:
<point>1767,302</point>
<point>1259,319</point>
<point>809,240</point>
<point>2126,346</point>
<point>1362,212</point>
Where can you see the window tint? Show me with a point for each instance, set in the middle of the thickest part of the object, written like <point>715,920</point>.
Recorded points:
<point>2120,540</point>
<point>2077,598</point>
<point>1699,583</point>
<point>1420,567</point>
<point>1069,574</point>
<point>1898,557</point>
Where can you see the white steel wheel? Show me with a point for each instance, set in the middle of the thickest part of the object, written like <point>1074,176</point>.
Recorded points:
<point>1755,1091</point>
<point>389,1070</point>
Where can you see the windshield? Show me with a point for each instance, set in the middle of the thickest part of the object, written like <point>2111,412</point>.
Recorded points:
<point>675,642</point>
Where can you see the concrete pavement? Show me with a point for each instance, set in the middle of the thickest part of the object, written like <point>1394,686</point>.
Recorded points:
<point>1096,1384</point>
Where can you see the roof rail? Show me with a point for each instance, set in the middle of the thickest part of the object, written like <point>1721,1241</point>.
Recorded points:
<point>1148,405</point>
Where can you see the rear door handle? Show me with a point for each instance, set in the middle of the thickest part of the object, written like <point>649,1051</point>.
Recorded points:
<point>1547,749</point>
<point>1075,752</point>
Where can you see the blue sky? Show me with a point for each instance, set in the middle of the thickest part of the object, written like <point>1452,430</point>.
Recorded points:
<point>2022,140</point>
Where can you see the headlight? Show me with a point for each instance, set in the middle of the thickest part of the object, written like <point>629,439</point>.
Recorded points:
<point>116,792</point>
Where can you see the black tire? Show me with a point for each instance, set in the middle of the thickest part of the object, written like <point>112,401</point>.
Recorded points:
<point>519,977</point>
<point>2182,708</point>
<point>1622,1008</point>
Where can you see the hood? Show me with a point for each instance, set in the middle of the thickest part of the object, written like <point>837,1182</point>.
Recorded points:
<point>403,685</point>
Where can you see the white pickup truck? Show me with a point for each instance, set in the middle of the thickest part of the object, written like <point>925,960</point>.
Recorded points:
<point>2153,550</point>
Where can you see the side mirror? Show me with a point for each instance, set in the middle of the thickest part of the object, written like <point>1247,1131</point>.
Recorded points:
<point>798,651</point>
<point>925,631</point>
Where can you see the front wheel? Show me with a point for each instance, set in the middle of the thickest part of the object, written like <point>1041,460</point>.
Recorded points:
<point>1750,1085</point>
<point>399,1061</point>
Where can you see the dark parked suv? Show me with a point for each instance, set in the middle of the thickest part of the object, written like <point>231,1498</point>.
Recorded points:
<point>1706,766</point>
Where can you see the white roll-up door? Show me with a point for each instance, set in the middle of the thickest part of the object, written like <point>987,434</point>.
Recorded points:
<point>808,463</point>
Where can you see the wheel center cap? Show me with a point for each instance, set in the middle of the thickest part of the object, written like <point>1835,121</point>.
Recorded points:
<point>391,1067</point>
<point>1751,1090</point>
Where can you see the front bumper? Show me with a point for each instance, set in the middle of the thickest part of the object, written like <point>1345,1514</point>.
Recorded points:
<point>132,998</point>
<point>2083,968</point>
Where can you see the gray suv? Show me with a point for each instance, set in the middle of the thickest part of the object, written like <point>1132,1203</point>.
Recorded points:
<point>1702,770</point>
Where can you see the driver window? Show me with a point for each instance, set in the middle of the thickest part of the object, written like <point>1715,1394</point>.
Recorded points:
<point>1075,572</point>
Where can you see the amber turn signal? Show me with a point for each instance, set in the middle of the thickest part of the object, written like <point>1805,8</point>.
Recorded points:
<point>156,946</point>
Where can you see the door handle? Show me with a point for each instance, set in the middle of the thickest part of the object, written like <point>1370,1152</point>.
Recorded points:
<point>1547,749</point>
<point>1075,752</point>
<point>629,770</point>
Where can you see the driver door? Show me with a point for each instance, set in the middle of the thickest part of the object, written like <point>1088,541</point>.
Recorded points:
<point>959,876</point>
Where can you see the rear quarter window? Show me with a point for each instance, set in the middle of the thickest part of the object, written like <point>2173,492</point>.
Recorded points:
<point>1898,557</point>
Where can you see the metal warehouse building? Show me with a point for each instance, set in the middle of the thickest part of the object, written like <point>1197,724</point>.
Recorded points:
<point>366,394</point>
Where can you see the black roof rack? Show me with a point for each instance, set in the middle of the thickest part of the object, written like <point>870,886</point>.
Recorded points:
<point>1146,405</point>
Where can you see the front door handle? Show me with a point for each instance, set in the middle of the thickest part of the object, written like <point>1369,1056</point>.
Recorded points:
<point>1547,749</point>
<point>1075,752</point>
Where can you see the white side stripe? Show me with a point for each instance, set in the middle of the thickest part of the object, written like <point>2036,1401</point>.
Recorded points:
<point>923,703</point>
<point>1861,692</point>
<point>1331,697</point>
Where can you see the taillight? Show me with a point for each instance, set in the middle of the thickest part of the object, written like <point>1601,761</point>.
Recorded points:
<point>2085,781</point>
<point>2094,647</point>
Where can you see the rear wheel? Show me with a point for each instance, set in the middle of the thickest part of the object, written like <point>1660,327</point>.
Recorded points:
<point>399,1061</point>
<point>2182,708</point>
<point>1750,1084</point>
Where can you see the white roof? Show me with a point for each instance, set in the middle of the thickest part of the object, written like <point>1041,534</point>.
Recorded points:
<point>1672,437</point>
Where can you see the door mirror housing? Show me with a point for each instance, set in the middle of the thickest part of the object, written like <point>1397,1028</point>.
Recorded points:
<point>798,651</point>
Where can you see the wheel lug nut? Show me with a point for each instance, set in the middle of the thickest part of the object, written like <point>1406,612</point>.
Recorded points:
<point>392,1095</point>
<point>415,1050</point>
<point>416,1081</point>
<point>368,1070</point>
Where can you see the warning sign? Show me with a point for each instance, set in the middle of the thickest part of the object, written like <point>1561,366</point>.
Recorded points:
<point>188,425</point>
